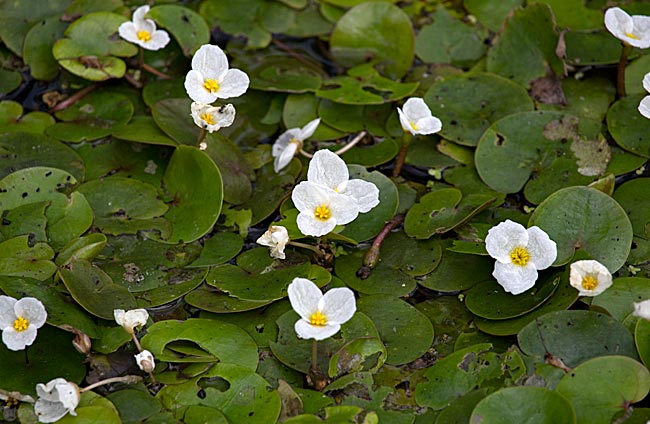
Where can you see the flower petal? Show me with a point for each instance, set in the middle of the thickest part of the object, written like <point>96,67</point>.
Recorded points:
<point>307,196</point>
<point>147,25</point>
<point>642,309</point>
<point>310,226</point>
<point>284,158</point>
<point>328,169</point>
<point>18,340</point>
<point>428,125</point>
<point>159,39</point>
<point>7,312</point>
<point>48,411</point>
<point>646,82</point>
<point>32,310</point>
<point>513,278</point>
<point>542,250</point>
<point>47,391</point>
<point>365,193</point>
<point>211,62</point>
<point>641,30</point>
<point>644,106</point>
<point>416,109</point>
<point>504,237</point>
<point>283,141</point>
<point>338,305</point>
<point>234,84</point>
<point>196,91</point>
<point>304,296</point>
<point>128,31</point>
<point>138,15</point>
<point>307,331</point>
<point>404,120</point>
<point>344,208</point>
<point>618,22</point>
<point>309,129</point>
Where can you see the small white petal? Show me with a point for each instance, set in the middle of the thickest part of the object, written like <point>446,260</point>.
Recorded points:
<point>344,208</point>
<point>307,196</point>
<point>56,399</point>
<point>642,309</point>
<point>513,278</point>
<point>284,140</point>
<point>415,108</point>
<point>646,82</point>
<point>503,238</point>
<point>428,125</point>
<point>284,157</point>
<point>338,305</point>
<point>307,331</point>
<point>644,107</point>
<point>159,39</point>
<point>7,312</point>
<point>131,319</point>
<point>145,361</point>
<point>32,310</point>
<point>404,121</point>
<point>365,193</point>
<point>310,226</point>
<point>593,269</point>
<point>211,62</point>
<point>138,15</point>
<point>309,129</point>
<point>618,22</point>
<point>195,90</point>
<point>234,84</point>
<point>129,32</point>
<point>328,169</point>
<point>304,296</point>
<point>542,250</point>
<point>18,340</point>
<point>276,237</point>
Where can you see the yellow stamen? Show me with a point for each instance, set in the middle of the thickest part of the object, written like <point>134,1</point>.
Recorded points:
<point>589,282</point>
<point>632,36</point>
<point>322,213</point>
<point>413,126</point>
<point>211,85</point>
<point>207,118</point>
<point>294,141</point>
<point>21,324</point>
<point>519,256</point>
<point>144,36</point>
<point>318,319</point>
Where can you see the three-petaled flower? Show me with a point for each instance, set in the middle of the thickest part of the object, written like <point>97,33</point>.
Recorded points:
<point>590,277</point>
<point>56,399</point>
<point>633,30</point>
<point>276,238</point>
<point>131,319</point>
<point>416,118</point>
<point>20,320</point>
<point>321,315</point>
<point>212,118</point>
<point>519,252</point>
<point>143,31</point>
<point>644,106</point>
<point>210,79</point>
<point>286,146</point>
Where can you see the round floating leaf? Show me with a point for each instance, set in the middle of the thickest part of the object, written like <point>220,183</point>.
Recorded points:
<point>220,341</point>
<point>37,50</point>
<point>238,17</point>
<point>628,127</point>
<point>374,155</point>
<point>194,181</point>
<point>87,247</point>
<point>533,405</point>
<point>584,48</point>
<point>601,388</point>
<point>605,232</point>
<point>91,50</point>
<point>134,405</point>
<point>489,13</point>
<point>20,258</point>
<point>489,300</point>
<point>185,25</point>
<point>173,117</point>
<point>467,104</point>
<point>235,171</point>
<point>16,19</point>
<point>212,300</point>
<point>642,340</point>
<point>68,219</point>
<point>634,73</point>
<point>575,336</point>
<point>286,75</point>
<point>13,120</point>
<point>406,332</point>
<point>378,30</point>
<point>93,408</point>
<point>93,117</point>
<point>9,81</point>
<point>575,15</point>
<point>94,290</point>
<point>143,129</point>
<point>218,249</point>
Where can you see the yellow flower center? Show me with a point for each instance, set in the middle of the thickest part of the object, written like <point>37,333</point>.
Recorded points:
<point>589,282</point>
<point>519,256</point>
<point>207,118</point>
<point>21,324</point>
<point>144,36</point>
<point>632,36</point>
<point>322,213</point>
<point>318,319</point>
<point>211,85</point>
<point>413,126</point>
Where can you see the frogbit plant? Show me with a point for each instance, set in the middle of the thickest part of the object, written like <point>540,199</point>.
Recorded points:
<point>290,142</point>
<point>212,118</point>
<point>276,238</point>
<point>519,254</point>
<point>590,277</point>
<point>56,399</point>
<point>20,320</point>
<point>143,31</point>
<point>416,119</point>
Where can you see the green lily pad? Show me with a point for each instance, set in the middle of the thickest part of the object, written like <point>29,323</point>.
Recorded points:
<point>467,104</point>
<point>9,80</point>
<point>406,332</point>
<point>584,48</point>
<point>642,340</point>
<point>628,127</point>
<point>13,120</point>
<point>90,49</point>
<point>93,407</point>
<point>606,234</point>
<point>286,75</point>
<point>94,290</point>
<point>299,109</point>
<point>603,387</point>
<point>374,155</point>
<point>633,196</point>
<point>213,300</point>
<point>188,28</point>
<point>143,129</point>
<point>20,258</point>
<point>238,17</point>
<point>37,49</point>
<point>619,299</point>
<point>534,405</point>
<point>218,249</point>
<point>525,50</point>
<point>134,405</point>
<point>575,336</point>
<point>586,98</point>
<point>87,247</point>
<point>376,30</point>
<point>25,220</point>
<point>236,173</point>
<point>93,117</point>
<point>173,117</point>
<point>489,13</point>
<point>634,73</point>
<point>574,14</point>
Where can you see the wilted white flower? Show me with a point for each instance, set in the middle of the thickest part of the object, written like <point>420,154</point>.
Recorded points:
<point>632,30</point>
<point>644,106</point>
<point>328,169</point>
<point>276,237</point>
<point>519,252</point>
<point>286,146</point>
<point>131,319</point>
<point>416,117</point>
<point>210,79</point>
<point>20,320</point>
<point>321,209</point>
<point>321,315</point>
<point>642,309</point>
<point>145,361</point>
<point>212,118</point>
<point>143,31</point>
<point>590,277</point>
<point>56,399</point>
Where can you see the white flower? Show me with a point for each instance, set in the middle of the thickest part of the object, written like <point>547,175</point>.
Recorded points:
<point>131,319</point>
<point>328,169</point>
<point>210,79</point>
<point>644,106</point>
<point>590,277</point>
<point>416,117</point>
<point>276,237</point>
<point>56,399</point>
<point>145,361</point>
<point>321,315</point>
<point>519,252</point>
<point>642,309</point>
<point>321,209</point>
<point>19,320</point>
<point>286,146</point>
<point>632,30</point>
<point>212,118</point>
<point>143,31</point>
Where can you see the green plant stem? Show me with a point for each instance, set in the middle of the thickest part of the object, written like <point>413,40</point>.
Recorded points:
<point>136,341</point>
<point>351,144</point>
<point>620,69</point>
<point>371,258</point>
<point>130,379</point>
<point>201,137</point>
<point>401,156</point>
<point>314,357</point>
<point>311,247</point>
<point>155,71</point>
<point>74,98</point>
